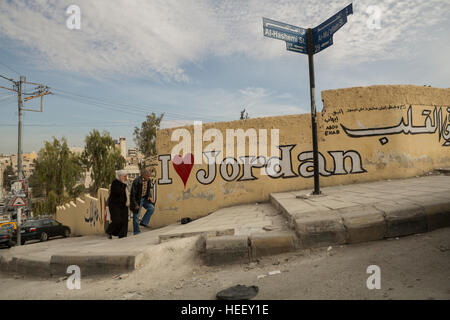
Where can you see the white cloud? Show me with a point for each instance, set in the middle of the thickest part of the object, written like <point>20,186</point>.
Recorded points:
<point>160,37</point>
<point>261,102</point>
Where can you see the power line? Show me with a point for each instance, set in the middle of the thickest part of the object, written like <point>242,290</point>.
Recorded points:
<point>7,97</point>
<point>140,109</point>
<point>9,79</point>
<point>51,125</point>
<point>127,110</point>
<point>9,68</point>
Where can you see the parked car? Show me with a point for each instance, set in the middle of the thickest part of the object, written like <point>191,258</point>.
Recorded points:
<point>42,230</point>
<point>6,235</point>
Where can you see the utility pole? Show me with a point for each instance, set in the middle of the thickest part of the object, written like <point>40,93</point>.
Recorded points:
<point>39,91</point>
<point>19,133</point>
<point>19,154</point>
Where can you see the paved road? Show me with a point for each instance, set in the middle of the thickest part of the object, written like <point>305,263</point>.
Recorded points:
<point>414,267</point>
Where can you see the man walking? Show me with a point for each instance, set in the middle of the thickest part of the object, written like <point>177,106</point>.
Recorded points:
<point>141,196</point>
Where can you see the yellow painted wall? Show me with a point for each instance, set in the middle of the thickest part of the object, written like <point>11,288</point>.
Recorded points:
<point>412,143</point>
<point>86,215</point>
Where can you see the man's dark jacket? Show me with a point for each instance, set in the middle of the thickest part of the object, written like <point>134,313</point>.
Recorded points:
<point>136,193</point>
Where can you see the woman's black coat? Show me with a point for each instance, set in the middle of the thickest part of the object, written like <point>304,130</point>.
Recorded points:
<point>118,209</point>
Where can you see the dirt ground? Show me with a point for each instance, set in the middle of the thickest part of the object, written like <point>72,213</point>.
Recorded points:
<point>413,267</point>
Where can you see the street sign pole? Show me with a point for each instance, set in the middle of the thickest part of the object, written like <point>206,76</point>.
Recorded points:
<point>18,203</point>
<point>316,40</point>
<point>312,91</point>
<point>19,214</point>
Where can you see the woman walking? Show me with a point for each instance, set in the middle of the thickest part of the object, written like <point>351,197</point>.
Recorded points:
<point>118,203</point>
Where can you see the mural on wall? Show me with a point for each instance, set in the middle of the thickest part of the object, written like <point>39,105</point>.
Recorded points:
<point>92,215</point>
<point>152,165</point>
<point>201,168</point>
<point>183,166</point>
<point>342,162</point>
<point>431,124</point>
<point>230,169</point>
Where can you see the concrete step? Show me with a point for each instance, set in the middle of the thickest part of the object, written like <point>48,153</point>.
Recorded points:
<point>245,249</point>
<point>345,214</point>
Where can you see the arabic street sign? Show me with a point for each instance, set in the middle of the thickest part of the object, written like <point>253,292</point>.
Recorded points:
<point>296,48</point>
<point>19,202</point>
<point>283,31</point>
<point>323,33</point>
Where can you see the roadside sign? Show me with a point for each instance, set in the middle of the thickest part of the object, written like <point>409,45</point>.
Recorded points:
<point>309,41</point>
<point>19,202</point>
<point>19,188</point>
<point>296,48</point>
<point>323,45</point>
<point>283,31</point>
<point>323,33</point>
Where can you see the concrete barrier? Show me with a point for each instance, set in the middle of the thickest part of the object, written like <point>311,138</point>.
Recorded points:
<point>227,249</point>
<point>403,220</point>
<point>270,243</point>
<point>363,223</point>
<point>319,229</point>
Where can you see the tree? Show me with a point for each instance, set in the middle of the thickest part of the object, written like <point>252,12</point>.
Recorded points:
<point>35,185</point>
<point>57,174</point>
<point>8,177</point>
<point>145,136</point>
<point>101,156</point>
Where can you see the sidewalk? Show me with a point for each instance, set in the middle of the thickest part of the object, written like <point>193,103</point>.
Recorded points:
<point>241,234</point>
<point>100,255</point>
<point>368,211</point>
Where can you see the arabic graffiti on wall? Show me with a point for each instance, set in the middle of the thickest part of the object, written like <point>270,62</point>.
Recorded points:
<point>93,215</point>
<point>436,120</point>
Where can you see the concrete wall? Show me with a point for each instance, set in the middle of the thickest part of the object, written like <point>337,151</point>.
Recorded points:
<point>86,215</point>
<point>365,134</point>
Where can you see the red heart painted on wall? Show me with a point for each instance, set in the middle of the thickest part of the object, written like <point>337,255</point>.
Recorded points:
<point>183,166</point>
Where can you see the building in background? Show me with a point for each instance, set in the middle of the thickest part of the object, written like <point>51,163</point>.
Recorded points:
<point>132,152</point>
<point>134,157</point>
<point>121,144</point>
<point>28,165</point>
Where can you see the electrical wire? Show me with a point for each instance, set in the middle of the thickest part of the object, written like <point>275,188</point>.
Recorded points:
<point>9,68</point>
<point>9,79</point>
<point>7,96</point>
<point>135,108</point>
<point>118,107</point>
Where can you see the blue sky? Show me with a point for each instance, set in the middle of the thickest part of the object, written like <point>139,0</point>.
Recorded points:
<point>200,60</point>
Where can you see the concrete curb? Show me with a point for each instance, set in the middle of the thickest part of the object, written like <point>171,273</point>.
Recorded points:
<point>177,235</point>
<point>365,222</point>
<point>94,264</point>
<point>57,264</point>
<point>226,249</point>
<point>313,229</point>
<point>24,266</point>
<point>244,249</point>
<point>271,243</point>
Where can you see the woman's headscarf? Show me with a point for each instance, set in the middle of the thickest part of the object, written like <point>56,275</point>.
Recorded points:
<point>120,173</point>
